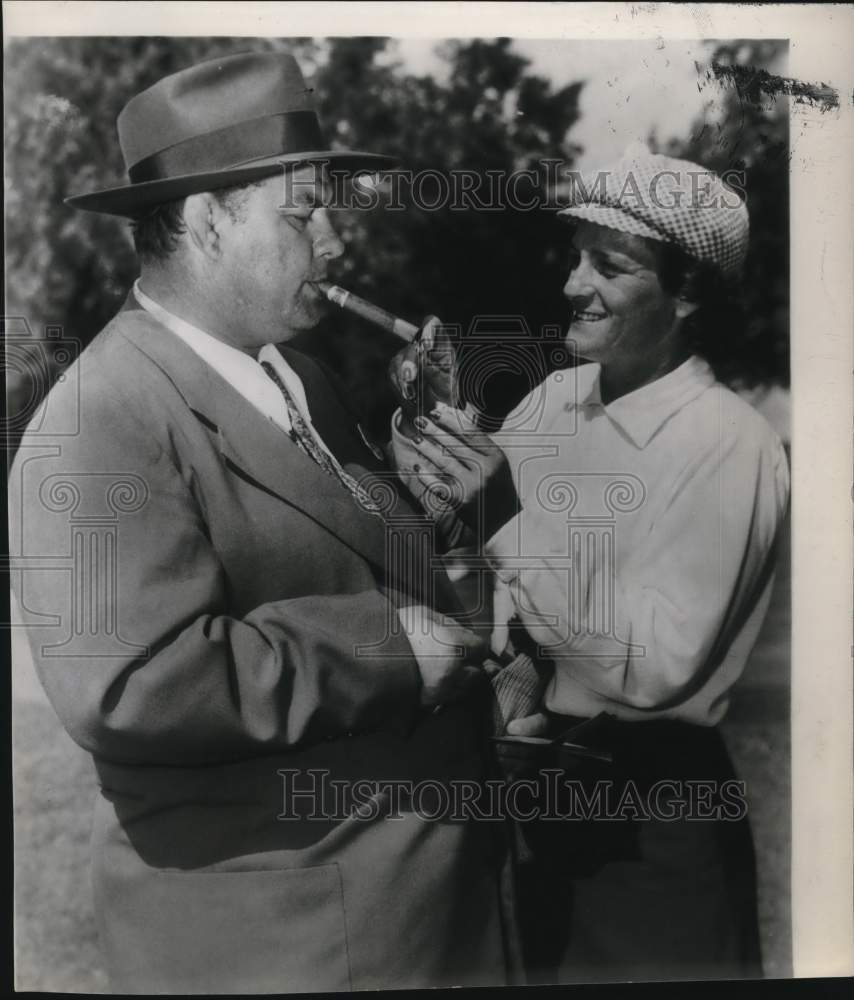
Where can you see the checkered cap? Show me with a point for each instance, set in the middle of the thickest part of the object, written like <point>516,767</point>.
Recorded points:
<point>674,201</point>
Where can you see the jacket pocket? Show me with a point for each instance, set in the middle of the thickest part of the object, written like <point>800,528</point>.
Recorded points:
<point>280,931</point>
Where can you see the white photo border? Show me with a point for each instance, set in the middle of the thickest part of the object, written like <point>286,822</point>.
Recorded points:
<point>821,47</point>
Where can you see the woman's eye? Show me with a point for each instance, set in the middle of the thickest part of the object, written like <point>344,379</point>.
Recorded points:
<point>606,269</point>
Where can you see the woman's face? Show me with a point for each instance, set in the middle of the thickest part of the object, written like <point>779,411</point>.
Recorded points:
<point>620,310</point>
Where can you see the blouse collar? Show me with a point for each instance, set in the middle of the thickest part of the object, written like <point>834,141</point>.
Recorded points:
<point>642,412</point>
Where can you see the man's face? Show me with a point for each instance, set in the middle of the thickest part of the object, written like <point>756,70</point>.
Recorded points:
<point>620,309</point>
<point>280,242</point>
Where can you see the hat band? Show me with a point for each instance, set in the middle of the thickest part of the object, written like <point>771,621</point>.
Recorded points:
<point>233,146</point>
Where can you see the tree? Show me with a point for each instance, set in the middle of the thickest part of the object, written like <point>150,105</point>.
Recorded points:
<point>458,261</point>
<point>74,268</point>
<point>67,268</point>
<point>750,133</point>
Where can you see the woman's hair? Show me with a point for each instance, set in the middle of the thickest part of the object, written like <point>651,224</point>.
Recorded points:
<point>716,328</point>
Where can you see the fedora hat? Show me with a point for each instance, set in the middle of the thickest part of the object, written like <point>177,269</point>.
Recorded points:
<point>220,123</point>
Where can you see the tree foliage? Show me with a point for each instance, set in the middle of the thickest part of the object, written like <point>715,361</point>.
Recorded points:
<point>751,134</point>
<point>490,114</point>
<point>75,268</point>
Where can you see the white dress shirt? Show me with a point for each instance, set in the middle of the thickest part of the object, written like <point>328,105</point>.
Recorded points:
<point>239,369</point>
<point>641,561</point>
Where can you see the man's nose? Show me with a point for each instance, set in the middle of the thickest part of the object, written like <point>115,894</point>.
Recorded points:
<point>327,242</point>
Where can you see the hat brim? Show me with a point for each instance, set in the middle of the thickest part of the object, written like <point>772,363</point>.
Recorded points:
<point>613,218</point>
<point>133,200</point>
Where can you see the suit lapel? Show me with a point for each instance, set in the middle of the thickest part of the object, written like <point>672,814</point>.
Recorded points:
<point>253,447</point>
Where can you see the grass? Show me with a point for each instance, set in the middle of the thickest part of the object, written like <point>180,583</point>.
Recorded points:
<point>761,755</point>
<point>54,788</point>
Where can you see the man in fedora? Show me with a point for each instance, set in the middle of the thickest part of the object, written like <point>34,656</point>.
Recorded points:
<point>253,672</point>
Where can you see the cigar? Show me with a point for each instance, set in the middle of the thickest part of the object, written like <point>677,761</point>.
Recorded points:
<point>367,310</point>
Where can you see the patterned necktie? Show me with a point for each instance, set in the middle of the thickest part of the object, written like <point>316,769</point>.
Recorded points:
<point>305,440</point>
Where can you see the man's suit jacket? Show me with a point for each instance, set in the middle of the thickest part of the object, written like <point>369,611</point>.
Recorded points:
<point>224,625</point>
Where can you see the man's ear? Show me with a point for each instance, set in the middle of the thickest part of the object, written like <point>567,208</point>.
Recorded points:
<point>684,308</point>
<point>203,218</point>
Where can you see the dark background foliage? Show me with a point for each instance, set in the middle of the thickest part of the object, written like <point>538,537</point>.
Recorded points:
<point>753,136</point>
<point>492,113</point>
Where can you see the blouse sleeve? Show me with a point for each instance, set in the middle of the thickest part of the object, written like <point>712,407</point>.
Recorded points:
<point>678,597</point>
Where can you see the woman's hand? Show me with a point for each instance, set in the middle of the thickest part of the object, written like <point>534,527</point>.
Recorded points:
<point>424,372</point>
<point>468,466</point>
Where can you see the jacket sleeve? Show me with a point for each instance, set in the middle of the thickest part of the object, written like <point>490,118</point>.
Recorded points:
<point>180,680</point>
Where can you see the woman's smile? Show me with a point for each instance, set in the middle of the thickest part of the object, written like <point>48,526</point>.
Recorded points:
<point>588,316</point>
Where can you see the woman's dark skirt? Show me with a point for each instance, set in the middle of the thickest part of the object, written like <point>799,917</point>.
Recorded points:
<point>641,895</point>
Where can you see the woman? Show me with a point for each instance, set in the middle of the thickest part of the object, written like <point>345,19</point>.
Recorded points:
<point>640,566</point>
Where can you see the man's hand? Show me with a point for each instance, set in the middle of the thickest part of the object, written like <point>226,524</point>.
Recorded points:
<point>471,467</point>
<point>446,655</point>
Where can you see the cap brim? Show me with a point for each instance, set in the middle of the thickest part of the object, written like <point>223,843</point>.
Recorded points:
<point>613,218</point>
<point>133,200</point>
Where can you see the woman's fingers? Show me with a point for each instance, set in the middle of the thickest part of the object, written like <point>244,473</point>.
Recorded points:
<point>448,481</point>
<point>462,426</point>
<point>435,453</point>
<point>447,453</point>
<point>476,460</point>
<point>442,492</point>
<point>439,350</point>
<point>403,370</point>
<point>427,333</point>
